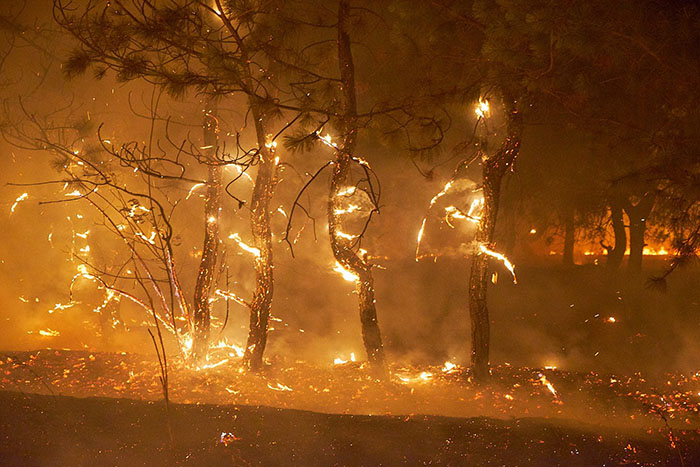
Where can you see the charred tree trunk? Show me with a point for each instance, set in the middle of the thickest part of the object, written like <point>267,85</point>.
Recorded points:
<point>262,239</point>
<point>210,250</point>
<point>637,214</point>
<point>569,237</point>
<point>617,252</point>
<point>493,170</point>
<point>342,247</point>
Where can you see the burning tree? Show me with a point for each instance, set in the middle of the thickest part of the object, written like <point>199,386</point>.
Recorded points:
<point>131,206</point>
<point>216,48</point>
<point>330,101</point>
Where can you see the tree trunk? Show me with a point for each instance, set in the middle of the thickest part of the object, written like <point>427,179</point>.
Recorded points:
<point>262,239</point>
<point>637,215</point>
<point>617,253</point>
<point>210,250</point>
<point>493,171</point>
<point>569,237</point>
<point>342,247</point>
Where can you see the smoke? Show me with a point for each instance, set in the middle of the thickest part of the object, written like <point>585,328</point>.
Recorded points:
<point>552,317</point>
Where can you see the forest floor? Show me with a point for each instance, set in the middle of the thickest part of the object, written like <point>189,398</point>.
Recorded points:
<point>64,407</point>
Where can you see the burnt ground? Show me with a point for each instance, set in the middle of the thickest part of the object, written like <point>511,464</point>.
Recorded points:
<point>60,430</point>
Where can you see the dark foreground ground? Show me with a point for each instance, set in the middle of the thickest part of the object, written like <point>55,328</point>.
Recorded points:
<point>61,430</point>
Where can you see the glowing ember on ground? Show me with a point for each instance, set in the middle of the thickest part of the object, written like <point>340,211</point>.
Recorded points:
<point>279,387</point>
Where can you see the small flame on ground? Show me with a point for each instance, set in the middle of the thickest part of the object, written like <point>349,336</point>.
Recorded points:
<point>545,382</point>
<point>449,367</point>
<point>340,361</point>
<point>279,387</point>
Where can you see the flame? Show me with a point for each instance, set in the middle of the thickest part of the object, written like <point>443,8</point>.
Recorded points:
<point>194,187</point>
<point>423,377</point>
<point>420,236</point>
<point>442,193</point>
<point>242,172</point>
<point>482,108</point>
<point>207,366</point>
<point>48,332</point>
<point>236,351</point>
<point>449,367</point>
<point>340,361</point>
<point>545,382</point>
<point>347,191</point>
<point>611,319</point>
<point>151,239</point>
<point>19,199</point>
<point>499,256</point>
<point>186,345</point>
<point>327,140</point>
<point>109,296</point>
<point>347,275</point>
<point>473,215</point>
<point>61,306</point>
<point>279,387</point>
<point>348,210</point>
<point>648,251</point>
<point>137,207</point>
<point>475,209</point>
<point>344,235</point>
<point>250,249</point>
<point>226,295</point>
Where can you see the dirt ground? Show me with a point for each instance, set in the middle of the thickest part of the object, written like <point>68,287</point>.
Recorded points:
<point>40,430</point>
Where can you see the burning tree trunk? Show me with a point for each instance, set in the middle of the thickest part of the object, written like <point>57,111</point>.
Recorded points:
<point>569,237</point>
<point>210,250</point>
<point>637,214</point>
<point>262,238</point>
<point>493,170</point>
<point>341,246</point>
<point>617,252</point>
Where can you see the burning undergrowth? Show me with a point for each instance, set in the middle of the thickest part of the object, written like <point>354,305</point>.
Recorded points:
<point>670,405</point>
